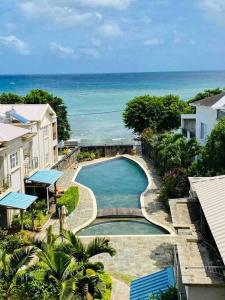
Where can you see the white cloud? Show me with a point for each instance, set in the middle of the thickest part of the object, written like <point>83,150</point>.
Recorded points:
<point>214,9</point>
<point>110,29</point>
<point>67,16</point>
<point>89,53</point>
<point>153,42</point>
<point>13,42</point>
<point>61,51</point>
<point>177,39</point>
<point>192,42</point>
<point>117,4</point>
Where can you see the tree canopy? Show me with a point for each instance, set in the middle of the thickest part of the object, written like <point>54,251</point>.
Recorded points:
<point>43,97</point>
<point>212,159</point>
<point>206,93</point>
<point>159,113</point>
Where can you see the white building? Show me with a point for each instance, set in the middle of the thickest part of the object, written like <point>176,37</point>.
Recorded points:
<point>208,112</point>
<point>200,255</point>
<point>40,119</point>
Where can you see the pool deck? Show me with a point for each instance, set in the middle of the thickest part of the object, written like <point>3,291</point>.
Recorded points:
<point>136,255</point>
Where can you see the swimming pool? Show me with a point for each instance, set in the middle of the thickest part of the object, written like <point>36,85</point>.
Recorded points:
<point>116,183</point>
<point>128,226</point>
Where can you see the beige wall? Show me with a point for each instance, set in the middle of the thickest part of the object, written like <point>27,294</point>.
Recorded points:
<point>197,292</point>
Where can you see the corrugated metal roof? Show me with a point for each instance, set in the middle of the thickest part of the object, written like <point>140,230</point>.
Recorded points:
<point>143,287</point>
<point>211,194</point>
<point>17,200</point>
<point>46,176</point>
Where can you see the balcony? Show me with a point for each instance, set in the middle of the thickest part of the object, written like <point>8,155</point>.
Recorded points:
<point>30,166</point>
<point>5,184</point>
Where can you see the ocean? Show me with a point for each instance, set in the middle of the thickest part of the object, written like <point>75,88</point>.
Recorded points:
<point>95,102</point>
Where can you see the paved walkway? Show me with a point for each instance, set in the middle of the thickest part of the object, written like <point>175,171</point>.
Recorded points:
<point>120,290</point>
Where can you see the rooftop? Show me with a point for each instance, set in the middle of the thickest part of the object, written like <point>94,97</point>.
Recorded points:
<point>211,195</point>
<point>9,132</point>
<point>210,101</point>
<point>31,112</point>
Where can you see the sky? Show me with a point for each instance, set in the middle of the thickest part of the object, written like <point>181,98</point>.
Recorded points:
<point>103,36</point>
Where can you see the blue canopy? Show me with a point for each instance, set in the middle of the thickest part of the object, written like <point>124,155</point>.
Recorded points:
<point>152,284</point>
<point>46,176</point>
<point>17,200</point>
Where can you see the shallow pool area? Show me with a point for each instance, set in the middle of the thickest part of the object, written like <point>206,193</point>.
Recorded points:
<point>128,226</point>
<point>116,183</point>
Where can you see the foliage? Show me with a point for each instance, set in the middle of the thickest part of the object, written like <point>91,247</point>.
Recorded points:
<point>40,218</point>
<point>10,243</point>
<point>170,294</point>
<point>158,113</point>
<point>107,289</point>
<point>207,93</point>
<point>82,156</point>
<point>43,97</point>
<point>173,151</point>
<point>69,199</point>
<point>212,158</point>
<point>10,266</point>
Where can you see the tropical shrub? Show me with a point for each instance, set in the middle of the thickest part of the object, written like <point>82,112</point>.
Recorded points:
<point>158,113</point>
<point>69,199</point>
<point>11,243</point>
<point>170,294</point>
<point>82,156</point>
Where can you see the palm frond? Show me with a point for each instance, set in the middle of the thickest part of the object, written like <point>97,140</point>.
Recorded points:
<point>99,246</point>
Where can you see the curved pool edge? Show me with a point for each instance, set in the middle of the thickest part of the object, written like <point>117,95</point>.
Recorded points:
<point>144,211</point>
<point>143,207</point>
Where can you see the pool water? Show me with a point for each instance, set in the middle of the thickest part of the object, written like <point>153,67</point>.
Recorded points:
<point>116,183</point>
<point>129,226</point>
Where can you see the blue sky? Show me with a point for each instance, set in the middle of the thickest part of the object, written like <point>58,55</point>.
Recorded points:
<point>95,36</point>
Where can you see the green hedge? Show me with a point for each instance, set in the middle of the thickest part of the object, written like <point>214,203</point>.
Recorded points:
<point>82,156</point>
<point>69,199</point>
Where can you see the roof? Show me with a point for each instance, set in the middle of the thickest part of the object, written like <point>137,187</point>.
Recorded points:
<point>211,195</point>
<point>31,112</point>
<point>46,176</point>
<point>210,101</point>
<point>143,287</point>
<point>17,200</point>
<point>9,132</point>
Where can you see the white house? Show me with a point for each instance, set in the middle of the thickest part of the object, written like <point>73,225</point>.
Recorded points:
<point>40,119</point>
<point>208,112</point>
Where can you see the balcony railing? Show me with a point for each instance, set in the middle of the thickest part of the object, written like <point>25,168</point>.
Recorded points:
<point>5,184</point>
<point>30,165</point>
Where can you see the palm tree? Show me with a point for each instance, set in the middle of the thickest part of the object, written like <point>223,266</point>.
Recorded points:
<point>81,252</point>
<point>10,267</point>
<point>67,265</point>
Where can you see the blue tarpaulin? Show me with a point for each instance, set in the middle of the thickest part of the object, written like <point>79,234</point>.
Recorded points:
<point>17,200</point>
<point>46,176</point>
<point>152,284</point>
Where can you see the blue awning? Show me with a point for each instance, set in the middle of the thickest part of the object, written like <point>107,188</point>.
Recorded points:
<point>46,176</point>
<point>17,200</point>
<point>152,284</point>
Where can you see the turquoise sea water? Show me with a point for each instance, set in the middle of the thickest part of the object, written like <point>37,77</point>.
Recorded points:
<point>116,183</point>
<point>95,101</point>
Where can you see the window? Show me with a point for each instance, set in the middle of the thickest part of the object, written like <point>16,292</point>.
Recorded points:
<point>203,131</point>
<point>14,160</point>
<point>45,131</point>
<point>46,150</point>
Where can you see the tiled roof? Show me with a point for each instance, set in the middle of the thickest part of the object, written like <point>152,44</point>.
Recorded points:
<point>209,101</point>
<point>211,195</point>
<point>143,287</point>
<point>9,132</point>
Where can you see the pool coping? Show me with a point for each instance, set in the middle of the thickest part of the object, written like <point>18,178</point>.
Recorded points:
<point>95,209</point>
